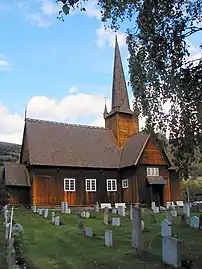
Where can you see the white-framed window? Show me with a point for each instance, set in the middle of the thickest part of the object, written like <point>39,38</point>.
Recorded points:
<point>152,171</point>
<point>124,183</point>
<point>69,184</point>
<point>90,184</point>
<point>111,185</point>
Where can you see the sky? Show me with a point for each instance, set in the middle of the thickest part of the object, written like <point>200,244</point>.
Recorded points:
<point>59,71</point>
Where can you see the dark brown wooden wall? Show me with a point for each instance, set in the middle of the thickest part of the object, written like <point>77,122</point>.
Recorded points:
<point>175,186</point>
<point>152,155</point>
<point>47,186</point>
<point>18,195</point>
<point>123,126</point>
<point>129,195</point>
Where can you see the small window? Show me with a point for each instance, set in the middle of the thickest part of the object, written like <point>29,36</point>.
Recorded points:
<point>69,184</point>
<point>90,184</point>
<point>151,171</point>
<point>111,185</point>
<point>124,183</point>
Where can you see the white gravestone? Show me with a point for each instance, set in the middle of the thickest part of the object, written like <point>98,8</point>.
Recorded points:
<point>171,251</point>
<point>174,213</point>
<point>46,213</point>
<point>137,229</point>
<point>97,207</point>
<point>121,211</point>
<point>89,232</point>
<point>153,205</point>
<point>142,223</point>
<point>156,210</point>
<point>87,215</point>
<point>57,221</point>
<point>186,210</point>
<point>62,207</point>
<point>113,210</point>
<point>40,212</point>
<point>34,209</point>
<point>108,238</point>
<point>68,211</point>
<point>83,214</point>
<point>53,217</point>
<point>116,222</point>
<point>166,228</point>
<point>66,208</point>
<point>7,229</point>
<point>194,222</point>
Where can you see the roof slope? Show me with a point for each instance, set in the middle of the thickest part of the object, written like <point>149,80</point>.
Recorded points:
<point>16,174</point>
<point>133,148</point>
<point>58,144</point>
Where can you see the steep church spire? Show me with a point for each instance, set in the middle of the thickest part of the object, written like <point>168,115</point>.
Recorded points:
<point>120,100</point>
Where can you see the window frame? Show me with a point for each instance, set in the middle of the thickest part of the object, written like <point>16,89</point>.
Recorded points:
<point>111,180</point>
<point>154,169</point>
<point>69,179</point>
<point>124,183</point>
<point>91,180</point>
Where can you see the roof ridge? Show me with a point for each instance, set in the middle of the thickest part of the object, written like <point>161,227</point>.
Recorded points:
<point>64,123</point>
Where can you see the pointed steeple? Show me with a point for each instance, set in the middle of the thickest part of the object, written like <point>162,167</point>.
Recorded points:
<point>105,110</point>
<point>120,100</point>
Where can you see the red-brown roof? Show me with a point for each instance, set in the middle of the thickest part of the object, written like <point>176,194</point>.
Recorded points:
<point>16,174</point>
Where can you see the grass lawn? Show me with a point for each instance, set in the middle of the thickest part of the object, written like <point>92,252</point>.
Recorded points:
<point>2,243</point>
<point>49,246</point>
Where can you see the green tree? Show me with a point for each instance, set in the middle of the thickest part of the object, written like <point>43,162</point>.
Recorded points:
<point>160,72</point>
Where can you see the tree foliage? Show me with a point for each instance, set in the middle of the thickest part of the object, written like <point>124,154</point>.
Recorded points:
<point>160,71</point>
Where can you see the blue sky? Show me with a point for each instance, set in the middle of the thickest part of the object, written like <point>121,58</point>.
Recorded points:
<point>59,70</point>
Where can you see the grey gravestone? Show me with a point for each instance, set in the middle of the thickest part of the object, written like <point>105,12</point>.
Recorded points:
<point>156,210</point>
<point>131,212</point>
<point>174,213</point>
<point>116,222</point>
<point>7,229</point>
<point>18,228</point>
<point>170,217</point>
<point>200,222</point>
<point>46,213</point>
<point>66,208</point>
<point>108,238</point>
<point>106,215</point>
<point>83,214</point>
<point>97,207</point>
<point>121,211</point>
<point>87,215</point>
<point>171,251</point>
<point>137,230</point>
<point>53,217</point>
<point>57,221</point>
<point>186,210</point>
<point>80,225</point>
<point>194,222</point>
<point>113,210</point>
<point>89,232</point>
<point>165,228</point>
<point>184,220</point>
<point>62,207</point>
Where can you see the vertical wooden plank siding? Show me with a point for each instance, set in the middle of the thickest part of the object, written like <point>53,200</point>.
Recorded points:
<point>34,191</point>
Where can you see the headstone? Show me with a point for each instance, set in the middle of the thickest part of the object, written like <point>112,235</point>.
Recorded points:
<point>184,220</point>
<point>174,213</point>
<point>66,209</point>
<point>121,211</point>
<point>87,215</point>
<point>171,251</point>
<point>108,238</point>
<point>113,210</point>
<point>53,217</point>
<point>83,214</point>
<point>152,218</point>
<point>7,229</point>
<point>166,228</point>
<point>156,210</point>
<point>153,205</point>
<point>40,212</point>
<point>97,207</point>
<point>18,228</point>
<point>88,232</point>
<point>106,215</point>
<point>116,222</point>
<point>131,212</point>
<point>186,210</point>
<point>57,221</point>
<point>46,213</point>
<point>162,208</point>
<point>200,222</point>
<point>142,224</point>
<point>62,207</point>
<point>194,222</point>
<point>137,229</point>
<point>80,225</point>
<point>34,209</point>
<point>170,217</point>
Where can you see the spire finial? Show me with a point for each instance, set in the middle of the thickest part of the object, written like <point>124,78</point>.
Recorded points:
<point>25,112</point>
<point>105,108</point>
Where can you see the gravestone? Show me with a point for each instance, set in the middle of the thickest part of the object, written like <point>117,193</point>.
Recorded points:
<point>184,220</point>
<point>57,221</point>
<point>108,238</point>
<point>121,211</point>
<point>80,225</point>
<point>194,222</point>
<point>66,208</point>
<point>137,230</point>
<point>116,222</point>
<point>18,228</point>
<point>162,208</point>
<point>89,232</point>
<point>170,217</point>
<point>131,212</point>
<point>7,229</point>
<point>113,210</point>
<point>186,210</point>
<point>200,222</point>
<point>87,215</point>
<point>106,215</point>
<point>174,213</point>
<point>171,251</point>
<point>153,205</point>
<point>152,218</point>
<point>46,213</point>
<point>97,207</point>
<point>62,207</point>
<point>53,217</point>
<point>34,209</point>
<point>156,210</point>
<point>68,211</point>
<point>142,224</point>
<point>40,212</point>
<point>166,228</point>
<point>83,214</point>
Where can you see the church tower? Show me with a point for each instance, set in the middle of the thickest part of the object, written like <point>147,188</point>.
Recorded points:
<point>121,119</point>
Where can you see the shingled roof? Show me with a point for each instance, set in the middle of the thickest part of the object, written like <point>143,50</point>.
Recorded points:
<point>16,174</point>
<point>59,144</point>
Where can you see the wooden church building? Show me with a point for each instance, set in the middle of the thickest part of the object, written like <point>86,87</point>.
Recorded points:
<point>84,164</point>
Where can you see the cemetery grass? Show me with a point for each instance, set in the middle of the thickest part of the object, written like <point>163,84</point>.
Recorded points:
<point>49,246</point>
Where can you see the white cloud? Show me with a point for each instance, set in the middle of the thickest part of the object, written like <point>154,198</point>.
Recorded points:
<point>39,20</point>
<point>4,64</point>
<point>195,52</point>
<point>73,90</point>
<point>107,36</point>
